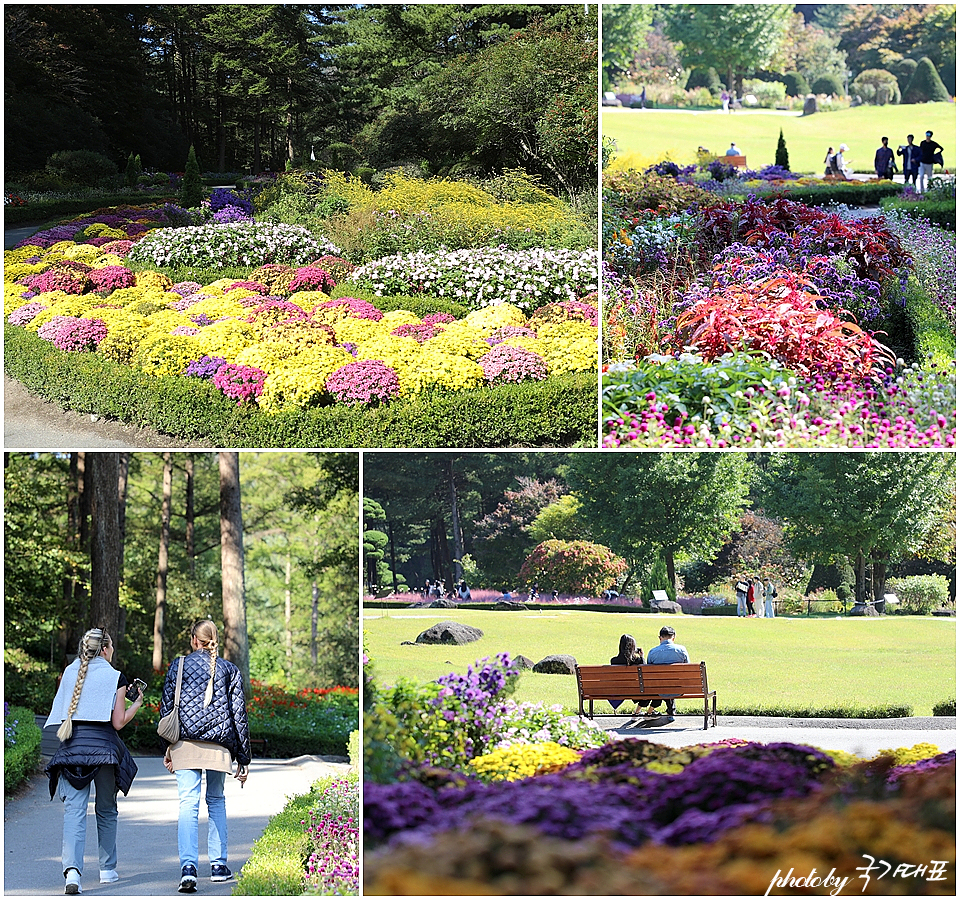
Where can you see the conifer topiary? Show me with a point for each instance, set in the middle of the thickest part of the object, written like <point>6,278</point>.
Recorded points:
<point>191,189</point>
<point>926,86</point>
<point>782,158</point>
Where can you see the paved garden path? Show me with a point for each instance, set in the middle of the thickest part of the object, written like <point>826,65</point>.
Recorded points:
<point>147,834</point>
<point>864,737</point>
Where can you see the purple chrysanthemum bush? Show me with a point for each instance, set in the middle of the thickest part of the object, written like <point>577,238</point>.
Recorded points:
<point>445,798</point>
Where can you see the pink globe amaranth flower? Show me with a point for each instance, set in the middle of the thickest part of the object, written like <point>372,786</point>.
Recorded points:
<point>368,381</point>
<point>80,334</point>
<point>240,383</point>
<point>357,308</point>
<point>26,313</point>
<point>512,364</point>
<point>111,278</point>
<point>311,278</point>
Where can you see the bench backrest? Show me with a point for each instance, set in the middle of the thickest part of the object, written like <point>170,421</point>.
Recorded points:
<point>617,681</point>
<point>682,678</point>
<point>735,160</point>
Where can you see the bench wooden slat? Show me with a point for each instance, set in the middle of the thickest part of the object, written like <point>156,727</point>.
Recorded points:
<point>647,682</point>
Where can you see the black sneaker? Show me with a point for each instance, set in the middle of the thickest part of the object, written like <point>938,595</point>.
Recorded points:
<point>220,873</point>
<point>188,880</point>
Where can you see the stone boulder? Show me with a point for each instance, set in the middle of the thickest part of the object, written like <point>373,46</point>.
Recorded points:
<point>522,662</point>
<point>449,633</point>
<point>510,605</point>
<point>864,609</point>
<point>443,603</point>
<point>666,606</point>
<point>810,105</point>
<point>558,664</point>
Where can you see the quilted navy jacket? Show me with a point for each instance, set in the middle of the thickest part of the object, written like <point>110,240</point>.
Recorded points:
<point>93,744</point>
<point>224,721</point>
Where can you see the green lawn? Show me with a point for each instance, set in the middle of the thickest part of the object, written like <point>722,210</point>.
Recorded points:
<point>644,137</point>
<point>789,661</point>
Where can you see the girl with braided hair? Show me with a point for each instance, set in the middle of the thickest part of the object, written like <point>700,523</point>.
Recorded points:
<point>213,735</point>
<point>89,708</point>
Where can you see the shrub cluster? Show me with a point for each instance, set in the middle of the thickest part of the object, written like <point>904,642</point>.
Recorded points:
<point>21,746</point>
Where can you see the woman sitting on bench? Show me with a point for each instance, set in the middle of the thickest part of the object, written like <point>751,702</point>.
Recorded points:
<point>629,655</point>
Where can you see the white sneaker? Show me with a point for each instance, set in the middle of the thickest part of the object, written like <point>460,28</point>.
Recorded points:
<point>108,876</point>
<point>73,882</point>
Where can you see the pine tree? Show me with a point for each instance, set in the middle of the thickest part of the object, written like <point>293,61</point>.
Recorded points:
<point>131,172</point>
<point>782,158</point>
<point>925,86</point>
<point>191,189</point>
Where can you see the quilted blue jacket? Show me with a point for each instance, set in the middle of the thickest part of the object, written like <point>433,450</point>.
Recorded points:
<point>224,721</point>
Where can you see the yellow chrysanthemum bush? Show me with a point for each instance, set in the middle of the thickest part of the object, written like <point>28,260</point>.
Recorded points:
<point>163,354</point>
<point>227,339</point>
<point>568,347</point>
<point>300,381</point>
<point>523,761</point>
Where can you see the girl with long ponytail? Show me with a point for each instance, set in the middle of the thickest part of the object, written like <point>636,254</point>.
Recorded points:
<point>214,735</point>
<point>90,709</point>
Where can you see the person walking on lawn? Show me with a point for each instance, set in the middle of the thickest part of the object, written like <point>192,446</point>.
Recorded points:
<point>911,160</point>
<point>213,734</point>
<point>928,156</point>
<point>883,163</point>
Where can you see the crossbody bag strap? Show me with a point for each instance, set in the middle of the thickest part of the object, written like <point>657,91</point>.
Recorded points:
<point>176,698</point>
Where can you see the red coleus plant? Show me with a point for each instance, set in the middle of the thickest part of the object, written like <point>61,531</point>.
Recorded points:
<point>780,317</point>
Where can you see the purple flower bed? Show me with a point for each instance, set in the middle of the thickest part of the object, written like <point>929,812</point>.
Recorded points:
<point>924,765</point>
<point>367,381</point>
<point>205,367</point>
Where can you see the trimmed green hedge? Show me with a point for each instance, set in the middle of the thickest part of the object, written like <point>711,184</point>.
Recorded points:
<point>726,610</point>
<point>855,193</point>
<point>277,861</point>
<point>892,711</point>
<point>45,210</point>
<point>930,331</point>
<point>939,212</point>
<point>558,413</point>
<point>946,708</point>
<point>20,759</point>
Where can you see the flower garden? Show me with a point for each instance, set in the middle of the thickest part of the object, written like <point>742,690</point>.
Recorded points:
<point>236,318</point>
<point>468,793</point>
<point>742,312</point>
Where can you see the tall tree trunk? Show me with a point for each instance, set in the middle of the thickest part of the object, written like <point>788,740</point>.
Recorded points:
<point>861,576</point>
<point>105,550</point>
<point>287,611</point>
<point>314,624</point>
<point>455,524</point>
<point>443,553</point>
<point>257,167</point>
<point>231,563</point>
<point>671,567</point>
<point>124,470</point>
<point>289,119</point>
<point>163,561</point>
<point>191,549</point>
<point>879,577</point>
<point>65,635</point>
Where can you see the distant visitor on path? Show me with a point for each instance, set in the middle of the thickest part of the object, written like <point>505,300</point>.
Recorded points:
<point>758,596</point>
<point>741,591</point>
<point>769,592</point>
<point>827,161</point>
<point>725,100</point>
<point>734,150</point>
<point>911,160</point>
<point>90,709</point>
<point>463,592</point>
<point>883,161</point>
<point>664,654</point>
<point>838,165</point>
<point>929,151</point>
<point>213,735</point>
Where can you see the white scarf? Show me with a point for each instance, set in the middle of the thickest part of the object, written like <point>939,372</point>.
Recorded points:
<point>97,696</point>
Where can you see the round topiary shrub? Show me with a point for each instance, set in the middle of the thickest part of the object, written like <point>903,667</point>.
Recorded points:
<point>797,84</point>
<point>81,166</point>
<point>572,567</point>
<point>828,84</point>
<point>877,87</point>
<point>926,86</point>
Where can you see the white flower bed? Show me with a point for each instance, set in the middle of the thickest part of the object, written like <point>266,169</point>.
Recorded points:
<point>486,276</point>
<point>233,244</point>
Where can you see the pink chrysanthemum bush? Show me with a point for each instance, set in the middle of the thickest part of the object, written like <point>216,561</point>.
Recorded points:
<point>512,364</point>
<point>369,381</point>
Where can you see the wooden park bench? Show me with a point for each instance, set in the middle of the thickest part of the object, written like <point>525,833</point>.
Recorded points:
<point>679,681</point>
<point>738,162</point>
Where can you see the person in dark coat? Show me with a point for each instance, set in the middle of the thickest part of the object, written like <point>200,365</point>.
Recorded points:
<point>911,160</point>
<point>214,733</point>
<point>928,156</point>
<point>628,655</point>
<point>89,707</point>
<point>883,163</point>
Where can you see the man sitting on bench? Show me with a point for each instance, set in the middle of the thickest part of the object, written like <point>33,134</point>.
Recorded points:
<point>665,653</point>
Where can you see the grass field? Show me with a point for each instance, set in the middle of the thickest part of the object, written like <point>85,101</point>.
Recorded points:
<point>761,662</point>
<point>647,136</point>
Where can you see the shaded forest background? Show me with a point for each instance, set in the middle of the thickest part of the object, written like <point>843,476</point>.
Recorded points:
<point>147,543</point>
<point>451,88</point>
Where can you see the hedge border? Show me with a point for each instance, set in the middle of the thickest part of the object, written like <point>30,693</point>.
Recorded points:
<point>22,758</point>
<point>561,412</point>
<point>44,211</point>
<point>930,331</point>
<point>942,213</point>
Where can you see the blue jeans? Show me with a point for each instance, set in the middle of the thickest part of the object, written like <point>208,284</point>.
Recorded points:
<point>188,825</point>
<point>75,820</point>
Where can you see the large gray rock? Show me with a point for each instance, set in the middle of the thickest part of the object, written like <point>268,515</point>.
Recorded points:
<point>449,633</point>
<point>522,662</point>
<point>510,605</point>
<point>666,606</point>
<point>810,105</point>
<point>443,603</point>
<point>864,609</point>
<point>558,664</point>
